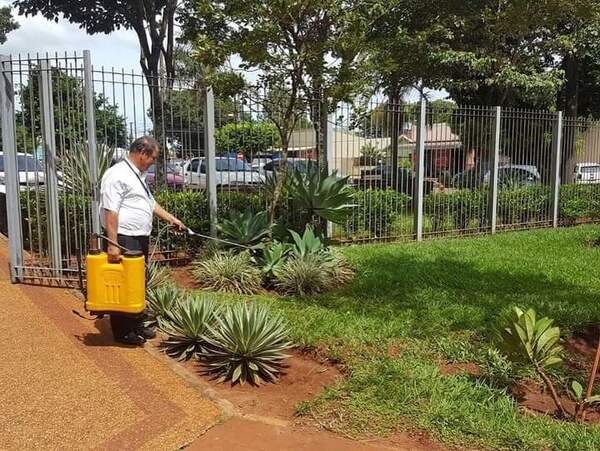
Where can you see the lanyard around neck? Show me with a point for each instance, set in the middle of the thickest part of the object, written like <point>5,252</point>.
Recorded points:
<point>139,178</point>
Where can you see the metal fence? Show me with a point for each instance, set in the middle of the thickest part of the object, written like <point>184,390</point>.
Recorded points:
<point>415,170</point>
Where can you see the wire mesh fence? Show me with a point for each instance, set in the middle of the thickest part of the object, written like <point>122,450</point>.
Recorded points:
<point>480,169</point>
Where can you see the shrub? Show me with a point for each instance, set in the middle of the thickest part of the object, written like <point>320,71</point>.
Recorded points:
<point>304,275</point>
<point>375,210</point>
<point>157,275</point>
<point>461,209</point>
<point>160,302</point>
<point>186,327</point>
<point>246,344</point>
<point>528,341</point>
<point>248,229</point>
<point>520,205</point>
<point>231,273</point>
<point>579,202</point>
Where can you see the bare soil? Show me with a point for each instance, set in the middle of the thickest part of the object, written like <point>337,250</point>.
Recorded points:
<point>182,275</point>
<point>450,369</point>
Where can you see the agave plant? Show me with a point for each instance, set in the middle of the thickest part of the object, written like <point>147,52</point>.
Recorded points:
<point>160,302</point>
<point>247,228</point>
<point>308,243</point>
<point>273,257</point>
<point>526,340</point>
<point>186,326</point>
<point>321,194</point>
<point>228,272</point>
<point>156,275</point>
<point>76,174</point>
<point>246,344</point>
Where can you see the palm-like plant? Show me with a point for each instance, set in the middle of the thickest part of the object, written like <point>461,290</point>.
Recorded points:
<point>526,340</point>
<point>160,302</point>
<point>321,194</point>
<point>246,228</point>
<point>246,344</point>
<point>186,327</point>
<point>76,173</point>
<point>308,243</point>
<point>156,275</point>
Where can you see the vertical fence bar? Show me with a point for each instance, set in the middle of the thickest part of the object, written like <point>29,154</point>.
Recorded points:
<point>209,155</point>
<point>494,174</point>
<point>419,171</point>
<point>329,149</point>
<point>47,110</point>
<point>90,115</point>
<point>556,157</point>
<point>13,208</point>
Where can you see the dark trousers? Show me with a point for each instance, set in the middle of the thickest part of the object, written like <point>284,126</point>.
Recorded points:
<point>123,323</point>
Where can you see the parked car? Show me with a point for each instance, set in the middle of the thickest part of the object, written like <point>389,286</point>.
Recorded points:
<point>299,164</point>
<point>508,175</point>
<point>586,173</point>
<point>381,177</point>
<point>229,172</point>
<point>31,171</point>
<point>175,181</point>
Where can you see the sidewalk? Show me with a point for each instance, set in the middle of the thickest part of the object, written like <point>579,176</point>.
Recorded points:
<point>65,385</point>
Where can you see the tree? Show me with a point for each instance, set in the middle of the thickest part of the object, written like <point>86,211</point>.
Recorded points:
<point>7,24</point>
<point>69,115</point>
<point>247,137</point>
<point>297,47</point>
<point>153,22</point>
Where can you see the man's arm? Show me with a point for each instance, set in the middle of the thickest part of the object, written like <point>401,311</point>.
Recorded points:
<point>168,217</point>
<point>112,227</point>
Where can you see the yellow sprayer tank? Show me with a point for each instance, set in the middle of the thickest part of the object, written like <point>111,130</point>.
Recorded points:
<point>115,287</point>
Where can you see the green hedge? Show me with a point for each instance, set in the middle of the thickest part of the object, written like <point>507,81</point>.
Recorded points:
<point>460,210</point>
<point>375,211</point>
<point>579,202</point>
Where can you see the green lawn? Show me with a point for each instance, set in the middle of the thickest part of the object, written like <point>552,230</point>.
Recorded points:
<point>436,300</point>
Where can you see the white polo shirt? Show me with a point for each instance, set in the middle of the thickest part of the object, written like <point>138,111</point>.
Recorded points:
<point>124,190</point>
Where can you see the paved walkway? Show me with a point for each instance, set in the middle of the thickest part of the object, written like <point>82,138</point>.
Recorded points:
<point>65,385</point>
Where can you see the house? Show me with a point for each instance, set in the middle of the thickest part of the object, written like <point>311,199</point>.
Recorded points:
<point>443,148</point>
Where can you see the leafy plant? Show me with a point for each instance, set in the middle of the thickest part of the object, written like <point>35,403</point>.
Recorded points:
<point>526,340</point>
<point>319,194</point>
<point>273,258</point>
<point>156,275</point>
<point>497,369</point>
<point>228,272</point>
<point>246,344</point>
<point>76,174</point>
<point>306,244</point>
<point>160,302</point>
<point>304,275</point>
<point>249,229</point>
<point>186,326</point>
<point>581,401</point>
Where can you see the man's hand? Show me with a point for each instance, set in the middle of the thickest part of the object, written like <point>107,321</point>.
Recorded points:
<point>177,223</point>
<point>114,254</point>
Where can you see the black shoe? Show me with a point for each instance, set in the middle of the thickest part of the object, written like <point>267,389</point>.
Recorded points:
<point>147,332</point>
<point>132,338</point>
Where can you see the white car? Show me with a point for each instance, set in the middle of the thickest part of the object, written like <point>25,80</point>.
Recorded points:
<point>229,172</point>
<point>31,171</point>
<point>586,173</point>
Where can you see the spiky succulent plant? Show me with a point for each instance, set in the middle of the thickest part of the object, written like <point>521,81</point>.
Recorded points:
<point>246,344</point>
<point>186,327</point>
<point>160,301</point>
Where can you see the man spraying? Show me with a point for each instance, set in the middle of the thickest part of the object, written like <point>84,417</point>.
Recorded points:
<point>127,208</point>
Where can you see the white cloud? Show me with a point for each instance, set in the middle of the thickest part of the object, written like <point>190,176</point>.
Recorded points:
<point>38,35</point>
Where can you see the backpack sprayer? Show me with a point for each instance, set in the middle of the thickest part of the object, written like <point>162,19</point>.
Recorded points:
<point>120,287</point>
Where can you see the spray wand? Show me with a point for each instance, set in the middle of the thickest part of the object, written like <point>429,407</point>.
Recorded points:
<point>231,243</point>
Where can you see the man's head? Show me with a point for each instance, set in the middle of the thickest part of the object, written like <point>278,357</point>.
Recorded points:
<point>143,152</point>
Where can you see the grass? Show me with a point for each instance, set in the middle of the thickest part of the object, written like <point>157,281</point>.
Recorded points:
<point>440,298</point>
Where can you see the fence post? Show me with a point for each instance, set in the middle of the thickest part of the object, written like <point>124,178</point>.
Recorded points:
<point>209,154</point>
<point>13,205</point>
<point>556,157</point>
<point>329,149</point>
<point>420,171</point>
<point>493,201</point>
<point>90,114</point>
<point>51,181</point>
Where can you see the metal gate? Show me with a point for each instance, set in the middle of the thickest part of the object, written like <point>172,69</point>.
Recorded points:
<point>63,123</point>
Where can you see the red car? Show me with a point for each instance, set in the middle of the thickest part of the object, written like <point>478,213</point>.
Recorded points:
<point>175,181</point>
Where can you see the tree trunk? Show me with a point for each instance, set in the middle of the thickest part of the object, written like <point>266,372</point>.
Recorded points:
<point>555,398</point>
<point>570,106</point>
<point>394,107</point>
